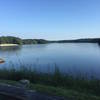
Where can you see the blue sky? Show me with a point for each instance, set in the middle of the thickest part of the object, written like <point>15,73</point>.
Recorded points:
<point>50,19</point>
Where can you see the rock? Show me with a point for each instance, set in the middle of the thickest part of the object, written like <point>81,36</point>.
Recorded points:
<point>19,93</point>
<point>24,83</point>
<point>1,60</point>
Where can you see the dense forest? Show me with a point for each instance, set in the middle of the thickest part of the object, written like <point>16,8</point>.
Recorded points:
<point>16,40</point>
<point>10,40</point>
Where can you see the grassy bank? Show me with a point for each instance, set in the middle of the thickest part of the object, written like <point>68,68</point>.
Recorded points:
<point>56,80</point>
<point>69,94</point>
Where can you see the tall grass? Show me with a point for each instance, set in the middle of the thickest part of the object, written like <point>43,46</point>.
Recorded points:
<point>55,79</point>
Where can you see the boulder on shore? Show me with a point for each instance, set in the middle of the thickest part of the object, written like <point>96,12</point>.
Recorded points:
<point>1,61</point>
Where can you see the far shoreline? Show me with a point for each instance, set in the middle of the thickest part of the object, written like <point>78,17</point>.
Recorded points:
<point>8,45</point>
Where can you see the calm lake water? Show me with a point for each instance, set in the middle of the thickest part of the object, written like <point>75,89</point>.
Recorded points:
<point>71,58</point>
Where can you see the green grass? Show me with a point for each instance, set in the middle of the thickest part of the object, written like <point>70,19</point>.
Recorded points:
<point>56,79</point>
<point>57,91</point>
<point>80,88</point>
<point>67,93</point>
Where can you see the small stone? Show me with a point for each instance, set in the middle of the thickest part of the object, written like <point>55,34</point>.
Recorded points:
<point>24,83</point>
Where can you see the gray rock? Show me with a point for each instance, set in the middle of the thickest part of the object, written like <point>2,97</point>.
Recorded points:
<point>19,93</point>
<point>24,83</point>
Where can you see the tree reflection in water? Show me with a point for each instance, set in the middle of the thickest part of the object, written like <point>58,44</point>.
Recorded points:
<point>13,48</point>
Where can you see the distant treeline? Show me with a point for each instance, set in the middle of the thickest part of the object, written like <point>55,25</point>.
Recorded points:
<point>88,40</point>
<point>16,40</point>
<point>34,41</point>
<point>10,40</point>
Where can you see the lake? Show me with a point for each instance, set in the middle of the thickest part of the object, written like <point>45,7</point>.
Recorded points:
<point>70,58</point>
